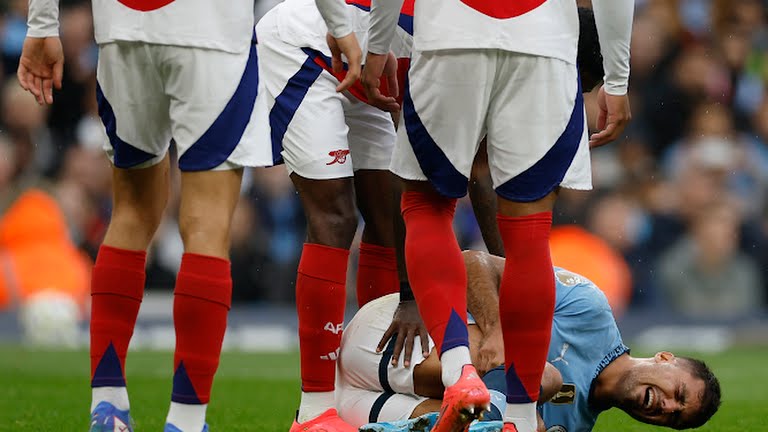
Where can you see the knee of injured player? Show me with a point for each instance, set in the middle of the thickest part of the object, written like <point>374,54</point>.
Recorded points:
<point>427,377</point>
<point>551,383</point>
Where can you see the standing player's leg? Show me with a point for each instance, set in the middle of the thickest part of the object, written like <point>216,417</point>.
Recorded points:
<point>435,145</point>
<point>377,266</point>
<point>533,149</point>
<point>306,119</point>
<point>321,286</point>
<point>117,280</point>
<point>203,291</point>
<point>212,103</point>
<point>371,139</point>
<point>138,143</point>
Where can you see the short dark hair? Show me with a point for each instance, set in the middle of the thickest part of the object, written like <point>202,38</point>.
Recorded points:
<point>590,59</point>
<point>710,399</point>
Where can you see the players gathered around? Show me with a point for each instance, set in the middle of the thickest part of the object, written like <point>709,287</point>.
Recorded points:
<point>441,90</point>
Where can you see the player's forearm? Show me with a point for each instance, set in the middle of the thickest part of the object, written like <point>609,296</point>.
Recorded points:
<point>334,13</point>
<point>384,16</point>
<point>43,18</point>
<point>614,27</point>
<point>482,290</point>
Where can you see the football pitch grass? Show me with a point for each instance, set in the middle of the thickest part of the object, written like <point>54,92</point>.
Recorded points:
<point>48,391</point>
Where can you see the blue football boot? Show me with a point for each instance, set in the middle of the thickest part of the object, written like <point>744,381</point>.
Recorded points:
<point>418,424</point>
<point>106,418</point>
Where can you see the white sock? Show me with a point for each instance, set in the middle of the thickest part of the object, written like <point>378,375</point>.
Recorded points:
<point>313,404</point>
<point>452,361</point>
<point>117,396</point>
<point>187,417</point>
<point>522,415</point>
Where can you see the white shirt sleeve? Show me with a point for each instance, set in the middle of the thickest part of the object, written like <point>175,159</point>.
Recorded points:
<point>43,18</point>
<point>334,13</point>
<point>384,17</point>
<point>614,27</point>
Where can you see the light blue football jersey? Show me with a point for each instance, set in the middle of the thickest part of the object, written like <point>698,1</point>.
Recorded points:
<point>585,339</point>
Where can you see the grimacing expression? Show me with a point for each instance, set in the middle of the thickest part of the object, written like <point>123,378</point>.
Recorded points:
<point>662,392</point>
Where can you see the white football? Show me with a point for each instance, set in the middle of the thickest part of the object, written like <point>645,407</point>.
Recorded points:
<point>50,318</point>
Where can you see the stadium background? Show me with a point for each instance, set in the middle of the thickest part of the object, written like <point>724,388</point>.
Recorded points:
<point>676,228</point>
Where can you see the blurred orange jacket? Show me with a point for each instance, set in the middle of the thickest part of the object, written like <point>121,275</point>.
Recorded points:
<point>36,253</point>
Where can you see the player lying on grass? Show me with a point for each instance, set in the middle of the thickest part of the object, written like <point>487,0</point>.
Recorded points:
<point>590,369</point>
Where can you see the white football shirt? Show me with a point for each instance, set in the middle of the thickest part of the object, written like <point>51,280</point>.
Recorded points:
<point>543,28</point>
<point>220,25</point>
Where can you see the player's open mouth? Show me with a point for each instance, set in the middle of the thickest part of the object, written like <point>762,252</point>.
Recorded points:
<point>649,399</point>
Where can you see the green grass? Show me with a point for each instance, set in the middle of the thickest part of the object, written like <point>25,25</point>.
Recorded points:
<point>48,391</point>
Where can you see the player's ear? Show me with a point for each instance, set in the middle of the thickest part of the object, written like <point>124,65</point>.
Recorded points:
<point>664,357</point>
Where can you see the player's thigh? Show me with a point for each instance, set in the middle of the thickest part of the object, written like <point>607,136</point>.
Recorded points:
<point>360,364</point>
<point>306,115</point>
<point>358,407</point>
<point>213,97</point>
<point>444,116</point>
<point>371,135</point>
<point>132,105</point>
<point>537,137</point>
<point>314,140</point>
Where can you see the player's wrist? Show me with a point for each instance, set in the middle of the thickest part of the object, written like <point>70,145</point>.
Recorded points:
<point>406,293</point>
<point>616,89</point>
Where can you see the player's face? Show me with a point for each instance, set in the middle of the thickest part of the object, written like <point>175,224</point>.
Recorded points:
<point>662,392</point>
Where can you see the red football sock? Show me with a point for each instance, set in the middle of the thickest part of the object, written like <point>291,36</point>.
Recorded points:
<point>117,287</point>
<point>201,301</point>
<point>436,267</point>
<point>320,300</point>
<point>376,273</point>
<point>527,302</point>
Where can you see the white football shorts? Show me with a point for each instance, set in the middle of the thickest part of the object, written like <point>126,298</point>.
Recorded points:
<point>322,134</point>
<point>201,99</point>
<point>369,388</point>
<point>530,108</point>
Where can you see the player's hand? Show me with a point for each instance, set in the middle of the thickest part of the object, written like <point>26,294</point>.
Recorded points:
<point>407,324</point>
<point>41,67</point>
<point>613,116</point>
<point>379,66</point>
<point>348,46</point>
<point>490,353</point>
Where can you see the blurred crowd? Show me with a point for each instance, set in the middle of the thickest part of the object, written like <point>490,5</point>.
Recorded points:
<point>681,201</point>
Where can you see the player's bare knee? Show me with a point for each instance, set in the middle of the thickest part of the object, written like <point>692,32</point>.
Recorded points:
<point>551,383</point>
<point>335,228</point>
<point>206,234</point>
<point>133,224</point>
